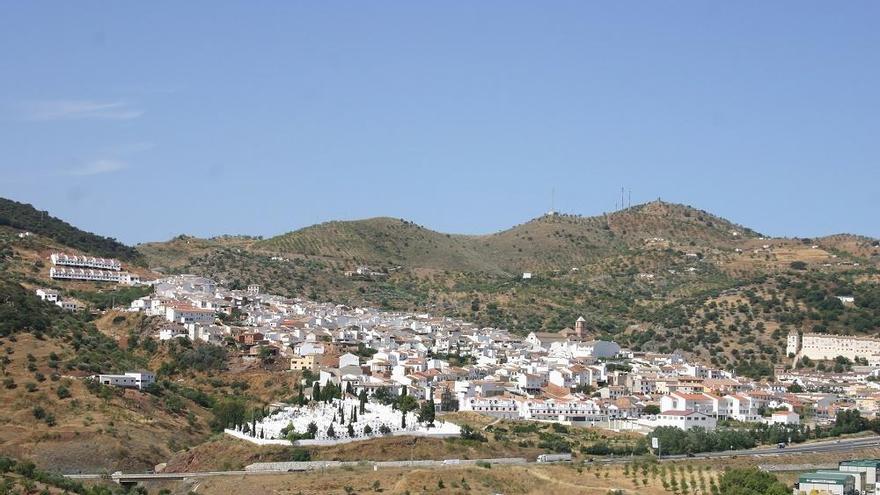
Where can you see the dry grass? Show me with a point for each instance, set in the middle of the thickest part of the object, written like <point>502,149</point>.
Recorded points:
<point>533,479</point>
<point>131,431</point>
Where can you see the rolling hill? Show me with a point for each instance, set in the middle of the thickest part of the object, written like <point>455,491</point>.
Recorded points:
<point>656,276</point>
<point>547,242</point>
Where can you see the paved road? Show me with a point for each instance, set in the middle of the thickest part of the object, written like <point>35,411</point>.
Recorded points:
<point>841,445</point>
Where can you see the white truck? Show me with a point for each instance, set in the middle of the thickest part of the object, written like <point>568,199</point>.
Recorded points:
<point>554,458</point>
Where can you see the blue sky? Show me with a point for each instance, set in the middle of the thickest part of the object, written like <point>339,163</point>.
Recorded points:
<point>146,120</point>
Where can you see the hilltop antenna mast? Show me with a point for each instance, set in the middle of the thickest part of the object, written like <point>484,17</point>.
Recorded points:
<point>630,202</point>
<point>621,198</point>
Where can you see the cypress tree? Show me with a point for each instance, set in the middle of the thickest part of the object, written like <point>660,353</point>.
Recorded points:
<point>362,397</point>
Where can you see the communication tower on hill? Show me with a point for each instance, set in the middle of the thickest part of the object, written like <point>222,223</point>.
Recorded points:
<point>552,211</point>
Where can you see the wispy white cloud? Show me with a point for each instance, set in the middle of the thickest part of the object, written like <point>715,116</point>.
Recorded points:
<point>97,167</point>
<point>47,110</point>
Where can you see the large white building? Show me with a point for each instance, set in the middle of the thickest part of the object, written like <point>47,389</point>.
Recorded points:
<point>62,259</point>
<point>563,410</point>
<point>94,275</point>
<point>825,347</point>
<point>184,313</point>
<point>499,407</point>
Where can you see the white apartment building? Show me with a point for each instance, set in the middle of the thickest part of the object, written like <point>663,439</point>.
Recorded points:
<point>94,275</point>
<point>499,407</point>
<point>826,347</point>
<point>184,313</point>
<point>563,410</point>
<point>61,259</point>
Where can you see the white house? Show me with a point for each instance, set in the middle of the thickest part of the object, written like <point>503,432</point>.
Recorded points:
<point>308,348</point>
<point>68,305</point>
<point>679,401</point>
<point>169,333</point>
<point>784,418</point>
<point>531,383</point>
<point>48,295</point>
<point>138,379</point>
<point>349,359</point>
<point>684,420</point>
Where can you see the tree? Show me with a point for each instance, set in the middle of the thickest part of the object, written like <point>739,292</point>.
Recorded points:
<point>651,409</point>
<point>300,455</point>
<point>265,355</point>
<point>751,481</point>
<point>468,433</point>
<point>228,413</point>
<point>62,391</point>
<point>316,391</point>
<point>331,433</point>
<point>312,429</point>
<point>427,412</point>
<point>362,398</point>
<point>407,403</point>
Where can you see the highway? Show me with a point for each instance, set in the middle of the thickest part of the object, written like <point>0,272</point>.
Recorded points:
<point>830,446</point>
<point>839,445</point>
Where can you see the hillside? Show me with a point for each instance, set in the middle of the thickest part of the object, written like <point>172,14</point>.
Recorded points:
<point>52,415</point>
<point>385,242</point>
<point>656,276</point>
<point>547,242</point>
<point>25,217</point>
